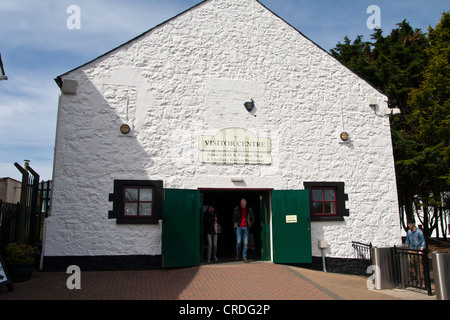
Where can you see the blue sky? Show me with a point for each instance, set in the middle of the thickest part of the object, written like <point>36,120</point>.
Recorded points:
<point>36,46</point>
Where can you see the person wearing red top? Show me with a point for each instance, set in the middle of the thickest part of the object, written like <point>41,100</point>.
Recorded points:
<point>243,219</point>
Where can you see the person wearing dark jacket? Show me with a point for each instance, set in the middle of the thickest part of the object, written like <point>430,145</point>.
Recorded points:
<point>243,220</point>
<point>211,232</point>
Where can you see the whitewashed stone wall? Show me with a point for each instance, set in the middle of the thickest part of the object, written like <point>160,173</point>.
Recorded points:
<point>190,77</point>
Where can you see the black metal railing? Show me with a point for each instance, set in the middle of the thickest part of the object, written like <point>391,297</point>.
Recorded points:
<point>362,250</point>
<point>23,222</point>
<point>8,225</point>
<point>363,257</point>
<point>412,268</point>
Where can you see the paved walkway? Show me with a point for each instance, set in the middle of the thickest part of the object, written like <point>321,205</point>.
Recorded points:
<point>228,281</point>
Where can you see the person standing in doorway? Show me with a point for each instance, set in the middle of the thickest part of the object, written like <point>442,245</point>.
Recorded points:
<point>243,220</point>
<point>211,232</point>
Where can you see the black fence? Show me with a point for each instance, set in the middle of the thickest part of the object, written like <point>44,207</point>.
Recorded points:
<point>23,221</point>
<point>363,257</point>
<point>362,250</point>
<point>412,268</point>
<point>8,225</point>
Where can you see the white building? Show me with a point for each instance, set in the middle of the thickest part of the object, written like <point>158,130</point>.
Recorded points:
<point>163,117</point>
<point>10,190</point>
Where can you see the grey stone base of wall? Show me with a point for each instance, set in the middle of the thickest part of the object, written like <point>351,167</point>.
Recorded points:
<point>102,263</point>
<point>339,265</point>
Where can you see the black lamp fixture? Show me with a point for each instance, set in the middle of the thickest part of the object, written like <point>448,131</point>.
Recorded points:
<point>250,107</point>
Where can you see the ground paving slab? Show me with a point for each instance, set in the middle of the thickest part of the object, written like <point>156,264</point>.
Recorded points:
<point>262,281</point>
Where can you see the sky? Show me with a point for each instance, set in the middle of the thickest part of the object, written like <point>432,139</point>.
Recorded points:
<point>39,40</point>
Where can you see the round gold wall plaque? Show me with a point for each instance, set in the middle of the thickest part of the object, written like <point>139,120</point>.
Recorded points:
<point>344,136</point>
<point>125,129</point>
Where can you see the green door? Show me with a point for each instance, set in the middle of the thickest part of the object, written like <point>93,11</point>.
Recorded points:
<point>291,226</point>
<point>264,211</point>
<point>181,228</point>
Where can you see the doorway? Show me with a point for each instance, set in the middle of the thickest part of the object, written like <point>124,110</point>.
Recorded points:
<point>225,201</point>
<point>281,233</point>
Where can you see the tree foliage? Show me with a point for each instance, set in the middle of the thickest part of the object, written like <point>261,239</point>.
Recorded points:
<point>412,68</point>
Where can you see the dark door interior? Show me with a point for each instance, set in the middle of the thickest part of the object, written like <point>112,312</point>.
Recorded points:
<point>225,201</point>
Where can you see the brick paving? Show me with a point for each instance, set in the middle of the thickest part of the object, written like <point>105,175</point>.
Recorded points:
<point>264,281</point>
<point>232,281</point>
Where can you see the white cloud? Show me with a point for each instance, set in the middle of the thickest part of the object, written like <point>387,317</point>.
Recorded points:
<point>104,23</point>
<point>28,106</point>
<point>26,99</point>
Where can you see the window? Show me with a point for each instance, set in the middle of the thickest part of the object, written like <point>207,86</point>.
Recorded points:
<point>324,201</point>
<point>327,201</point>
<point>137,201</point>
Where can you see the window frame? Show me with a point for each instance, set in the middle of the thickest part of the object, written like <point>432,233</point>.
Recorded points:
<point>340,198</point>
<point>138,201</point>
<point>323,201</point>
<point>118,199</point>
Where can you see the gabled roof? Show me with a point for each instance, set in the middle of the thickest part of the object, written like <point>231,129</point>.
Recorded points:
<point>58,79</point>
<point>2,70</point>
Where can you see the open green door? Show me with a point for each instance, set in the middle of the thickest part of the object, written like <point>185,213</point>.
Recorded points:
<point>291,226</point>
<point>264,212</point>
<point>181,228</point>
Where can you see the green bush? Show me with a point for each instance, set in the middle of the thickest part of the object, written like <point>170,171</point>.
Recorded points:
<point>19,254</point>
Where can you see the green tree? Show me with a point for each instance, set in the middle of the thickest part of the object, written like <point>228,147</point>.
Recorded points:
<point>412,69</point>
<point>430,118</point>
<point>393,64</point>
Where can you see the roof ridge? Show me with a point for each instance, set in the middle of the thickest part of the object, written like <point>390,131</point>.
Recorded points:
<point>59,81</point>
<point>58,78</point>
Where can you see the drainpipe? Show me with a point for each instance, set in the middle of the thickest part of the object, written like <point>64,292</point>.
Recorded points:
<point>322,246</point>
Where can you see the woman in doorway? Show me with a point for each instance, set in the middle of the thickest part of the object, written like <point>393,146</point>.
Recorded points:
<point>211,232</point>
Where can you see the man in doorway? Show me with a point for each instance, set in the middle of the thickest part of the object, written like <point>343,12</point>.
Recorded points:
<point>243,220</point>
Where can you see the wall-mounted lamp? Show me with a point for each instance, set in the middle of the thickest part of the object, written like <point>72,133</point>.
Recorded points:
<point>251,107</point>
<point>237,179</point>
<point>389,111</point>
<point>393,111</point>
